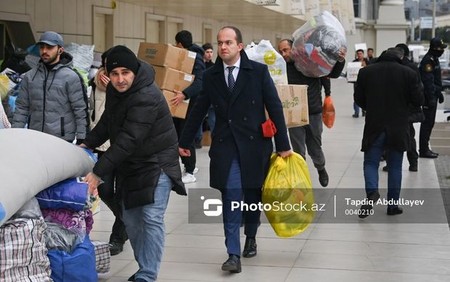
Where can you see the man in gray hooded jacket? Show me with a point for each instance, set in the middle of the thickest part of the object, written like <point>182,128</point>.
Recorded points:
<point>51,97</point>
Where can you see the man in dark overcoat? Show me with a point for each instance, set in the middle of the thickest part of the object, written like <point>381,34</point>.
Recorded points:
<point>240,90</point>
<point>385,90</point>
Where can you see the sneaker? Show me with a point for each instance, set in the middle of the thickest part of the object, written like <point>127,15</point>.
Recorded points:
<point>188,178</point>
<point>115,248</point>
<point>194,172</point>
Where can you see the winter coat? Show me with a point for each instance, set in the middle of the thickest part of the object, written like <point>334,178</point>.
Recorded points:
<point>53,101</point>
<point>237,133</point>
<point>143,140</point>
<point>97,102</point>
<point>385,90</point>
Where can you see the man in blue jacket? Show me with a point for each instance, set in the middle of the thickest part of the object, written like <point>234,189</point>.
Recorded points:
<point>239,90</point>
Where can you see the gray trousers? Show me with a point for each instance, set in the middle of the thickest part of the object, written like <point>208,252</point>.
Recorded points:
<point>309,137</point>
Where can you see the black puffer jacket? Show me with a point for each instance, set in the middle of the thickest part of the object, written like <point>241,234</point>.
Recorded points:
<point>143,140</point>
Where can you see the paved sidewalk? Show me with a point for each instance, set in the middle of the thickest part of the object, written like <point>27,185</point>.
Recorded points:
<point>357,251</point>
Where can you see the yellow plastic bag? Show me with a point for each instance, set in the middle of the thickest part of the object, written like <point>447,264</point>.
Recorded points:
<point>4,86</point>
<point>288,191</point>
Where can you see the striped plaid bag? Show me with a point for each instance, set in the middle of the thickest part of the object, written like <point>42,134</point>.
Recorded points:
<point>23,255</point>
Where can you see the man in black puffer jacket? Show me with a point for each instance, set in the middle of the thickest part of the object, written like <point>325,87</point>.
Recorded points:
<point>143,155</point>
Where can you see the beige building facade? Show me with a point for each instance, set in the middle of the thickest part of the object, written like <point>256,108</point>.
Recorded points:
<point>105,23</point>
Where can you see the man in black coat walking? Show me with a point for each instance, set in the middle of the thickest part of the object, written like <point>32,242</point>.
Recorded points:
<point>385,90</point>
<point>240,90</point>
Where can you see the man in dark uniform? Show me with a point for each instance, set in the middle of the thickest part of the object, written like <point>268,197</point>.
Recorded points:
<point>430,72</point>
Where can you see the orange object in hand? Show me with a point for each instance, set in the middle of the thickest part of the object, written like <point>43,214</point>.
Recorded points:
<point>328,112</point>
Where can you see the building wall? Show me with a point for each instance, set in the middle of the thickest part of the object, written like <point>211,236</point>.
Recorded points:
<point>73,19</point>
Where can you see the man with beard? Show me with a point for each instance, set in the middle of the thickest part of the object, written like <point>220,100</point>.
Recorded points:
<point>143,155</point>
<point>430,72</point>
<point>51,96</point>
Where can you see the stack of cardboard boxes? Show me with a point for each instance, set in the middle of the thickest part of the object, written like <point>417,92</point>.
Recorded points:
<point>173,67</point>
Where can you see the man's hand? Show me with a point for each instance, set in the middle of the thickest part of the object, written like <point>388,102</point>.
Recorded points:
<point>342,52</point>
<point>179,97</point>
<point>285,154</point>
<point>184,152</point>
<point>93,181</point>
<point>441,98</point>
<point>104,79</point>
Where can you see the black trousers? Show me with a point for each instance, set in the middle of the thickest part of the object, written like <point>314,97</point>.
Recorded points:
<point>427,126</point>
<point>188,162</point>
<point>412,154</point>
<point>111,198</point>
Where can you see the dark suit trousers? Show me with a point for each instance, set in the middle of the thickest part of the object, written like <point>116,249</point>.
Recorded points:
<point>426,127</point>
<point>232,218</point>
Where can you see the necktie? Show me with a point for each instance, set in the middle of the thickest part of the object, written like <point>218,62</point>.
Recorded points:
<point>231,80</point>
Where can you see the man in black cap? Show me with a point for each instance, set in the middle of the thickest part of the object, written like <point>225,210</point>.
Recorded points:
<point>143,155</point>
<point>430,72</point>
<point>54,84</point>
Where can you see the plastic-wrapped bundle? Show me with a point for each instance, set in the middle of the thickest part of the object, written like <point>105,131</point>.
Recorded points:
<point>317,44</point>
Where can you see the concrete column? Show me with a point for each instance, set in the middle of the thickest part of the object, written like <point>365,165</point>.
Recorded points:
<point>391,25</point>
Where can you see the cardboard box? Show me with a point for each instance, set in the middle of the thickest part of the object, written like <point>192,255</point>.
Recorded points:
<point>167,55</point>
<point>172,79</point>
<point>179,111</point>
<point>294,99</point>
<point>353,70</point>
<point>206,138</point>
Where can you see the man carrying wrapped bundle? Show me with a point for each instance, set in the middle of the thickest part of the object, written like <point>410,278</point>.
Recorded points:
<point>319,54</point>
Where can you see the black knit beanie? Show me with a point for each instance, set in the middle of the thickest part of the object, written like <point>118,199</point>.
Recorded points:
<point>121,56</point>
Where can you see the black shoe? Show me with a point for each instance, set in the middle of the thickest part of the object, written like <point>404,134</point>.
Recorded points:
<point>385,168</point>
<point>323,177</point>
<point>132,277</point>
<point>233,264</point>
<point>366,210</point>
<point>249,248</point>
<point>355,115</point>
<point>115,248</point>
<point>428,155</point>
<point>413,167</point>
<point>394,211</point>
<point>437,154</point>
